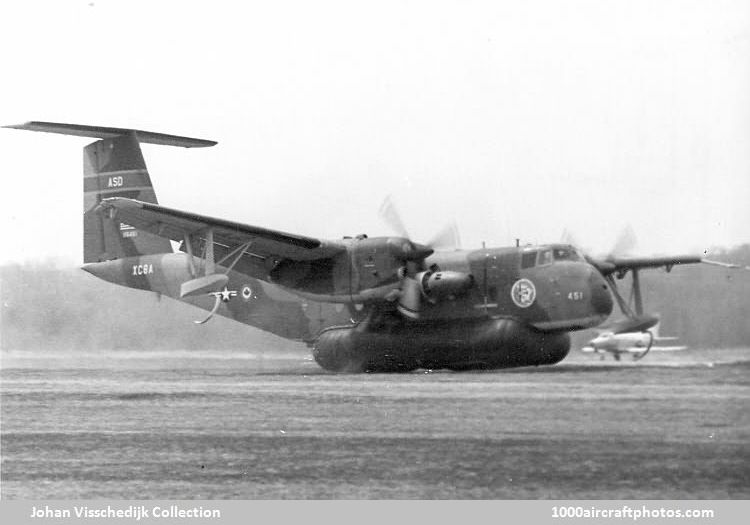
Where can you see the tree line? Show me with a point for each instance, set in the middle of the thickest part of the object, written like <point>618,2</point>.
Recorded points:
<point>48,304</point>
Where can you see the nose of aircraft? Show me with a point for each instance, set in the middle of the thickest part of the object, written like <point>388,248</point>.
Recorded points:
<point>601,298</point>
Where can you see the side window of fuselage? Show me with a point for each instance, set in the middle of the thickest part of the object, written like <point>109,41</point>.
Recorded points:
<point>528,259</point>
<point>545,257</point>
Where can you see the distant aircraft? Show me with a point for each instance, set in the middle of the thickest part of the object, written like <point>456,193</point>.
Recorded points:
<point>637,344</point>
<point>374,304</point>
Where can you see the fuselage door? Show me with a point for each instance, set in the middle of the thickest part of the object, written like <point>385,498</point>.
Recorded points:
<point>498,273</point>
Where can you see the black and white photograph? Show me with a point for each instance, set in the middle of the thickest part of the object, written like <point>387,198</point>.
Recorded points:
<point>401,250</point>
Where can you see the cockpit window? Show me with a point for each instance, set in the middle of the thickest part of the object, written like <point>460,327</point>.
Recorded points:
<point>566,254</point>
<point>545,257</point>
<point>528,259</point>
<point>532,258</point>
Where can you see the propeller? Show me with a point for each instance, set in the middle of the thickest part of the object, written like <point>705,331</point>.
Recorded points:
<point>445,239</point>
<point>410,299</point>
<point>392,217</point>
<point>624,244</point>
<point>423,283</point>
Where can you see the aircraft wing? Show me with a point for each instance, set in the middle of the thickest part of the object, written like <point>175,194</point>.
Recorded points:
<point>726,265</point>
<point>668,348</point>
<point>632,350</point>
<point>626,350</point>
<point>262,243</point>
<point>623,264</point>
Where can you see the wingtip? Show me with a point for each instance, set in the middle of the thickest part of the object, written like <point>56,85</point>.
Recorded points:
<point>16,126</point>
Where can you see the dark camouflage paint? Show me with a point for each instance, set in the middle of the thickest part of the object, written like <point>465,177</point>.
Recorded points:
<point>481,327</point>
<point>115,168</point>
<point>265,307</point>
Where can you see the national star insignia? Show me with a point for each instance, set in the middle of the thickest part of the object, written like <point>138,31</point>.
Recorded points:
<point>225,294</point>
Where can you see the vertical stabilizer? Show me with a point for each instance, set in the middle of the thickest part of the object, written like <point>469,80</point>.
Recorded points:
<point>114,167</point>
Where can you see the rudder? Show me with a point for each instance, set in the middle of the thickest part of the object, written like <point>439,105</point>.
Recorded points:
<point>115,167</point>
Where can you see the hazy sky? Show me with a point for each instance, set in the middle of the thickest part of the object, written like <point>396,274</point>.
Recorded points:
<point>515,119</point>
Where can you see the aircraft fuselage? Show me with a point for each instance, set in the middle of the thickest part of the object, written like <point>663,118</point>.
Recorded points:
<point>517,311</point>
<point>548,287</point>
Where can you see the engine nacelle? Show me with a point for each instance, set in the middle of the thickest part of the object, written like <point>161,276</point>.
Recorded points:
<point>444,284</point>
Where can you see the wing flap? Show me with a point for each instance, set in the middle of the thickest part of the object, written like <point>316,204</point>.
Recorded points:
<point>175,224</point>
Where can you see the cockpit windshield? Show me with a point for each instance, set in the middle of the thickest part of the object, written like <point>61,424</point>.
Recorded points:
<point>545,257</point>
<point>565,253</point>
<point>540,257</point>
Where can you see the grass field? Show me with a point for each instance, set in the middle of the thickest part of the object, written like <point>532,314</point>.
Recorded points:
<point>207,425</point>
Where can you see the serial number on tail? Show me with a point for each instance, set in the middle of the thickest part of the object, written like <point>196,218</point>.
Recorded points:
<point>143,269</point>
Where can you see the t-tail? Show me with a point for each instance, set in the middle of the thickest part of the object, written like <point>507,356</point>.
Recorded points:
<point>114,167</point>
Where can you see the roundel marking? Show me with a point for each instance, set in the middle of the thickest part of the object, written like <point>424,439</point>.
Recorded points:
<point>247,293</point>
<point>523,293</point>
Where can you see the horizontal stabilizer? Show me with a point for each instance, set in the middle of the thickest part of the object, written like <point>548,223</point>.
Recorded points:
<point>101,132</point>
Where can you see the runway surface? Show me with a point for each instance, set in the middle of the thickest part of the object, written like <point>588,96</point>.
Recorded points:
<point>139,424</point>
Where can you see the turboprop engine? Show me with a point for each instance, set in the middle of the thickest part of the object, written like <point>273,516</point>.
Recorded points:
<point>443,285</point>
<point>433,286</point>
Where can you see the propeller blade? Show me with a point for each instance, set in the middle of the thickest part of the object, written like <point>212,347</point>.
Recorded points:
<point>567,237</point>
<point>623,246</point>
<point>625,243</point>
<point>446,239</point>
<point>390,215</point>
<point>410,302</point>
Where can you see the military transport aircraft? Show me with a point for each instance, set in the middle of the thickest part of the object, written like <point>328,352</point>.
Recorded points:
<point>362,303</point>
